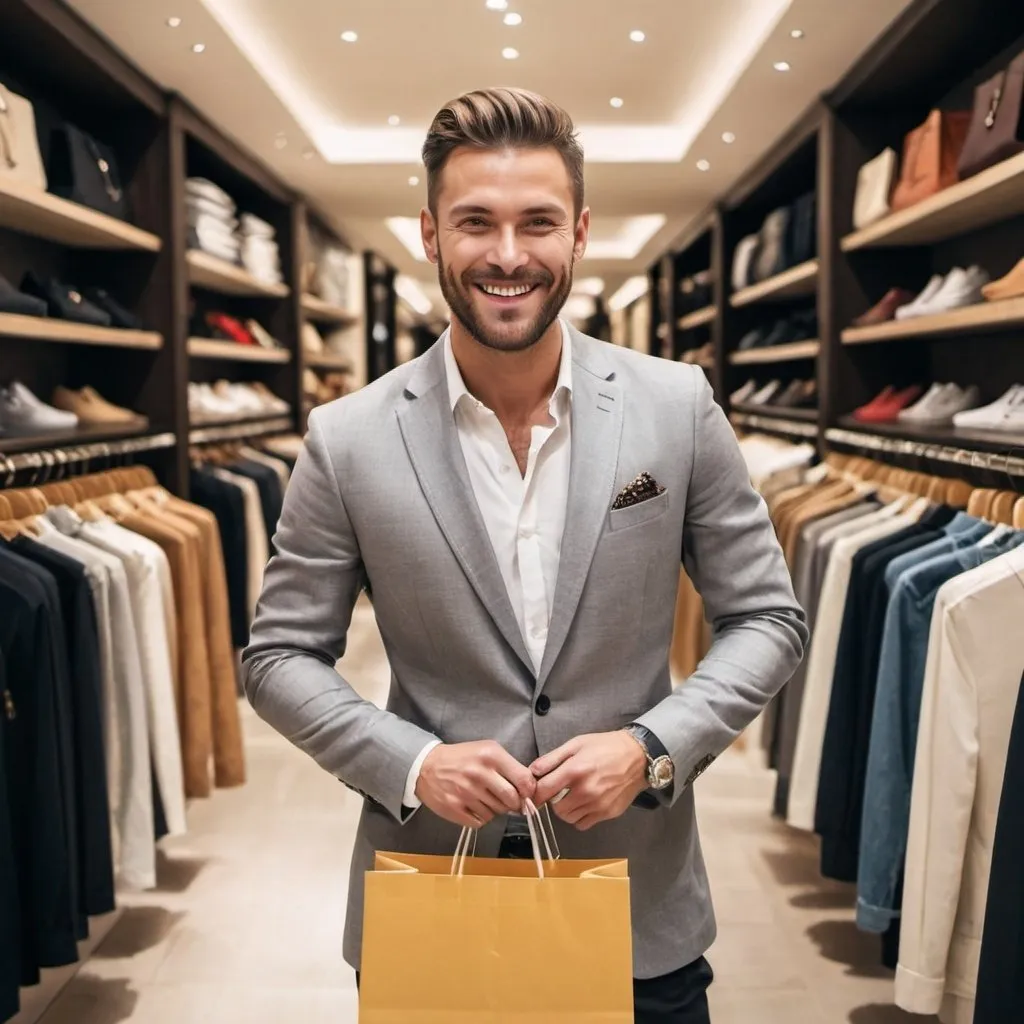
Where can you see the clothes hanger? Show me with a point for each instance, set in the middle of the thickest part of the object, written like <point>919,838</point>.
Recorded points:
<point>958,494</point>
<point>1002,508</point>
<point>1018,514</point>
<point>980,504</point>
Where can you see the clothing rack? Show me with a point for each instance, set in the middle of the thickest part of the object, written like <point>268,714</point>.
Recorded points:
<point>241,431</point>
<point>51,458</point>
<point>1009,464</point>
<point>775,424</point>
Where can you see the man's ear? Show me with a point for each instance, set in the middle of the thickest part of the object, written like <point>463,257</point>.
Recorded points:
<point>582,236</point>
<point>428,232</point>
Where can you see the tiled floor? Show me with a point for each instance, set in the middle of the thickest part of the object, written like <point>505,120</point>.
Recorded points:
<point>245,927</point>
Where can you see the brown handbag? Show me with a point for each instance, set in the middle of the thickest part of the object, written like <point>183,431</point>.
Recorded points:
<point>930,156</point>
<point>997,124</point>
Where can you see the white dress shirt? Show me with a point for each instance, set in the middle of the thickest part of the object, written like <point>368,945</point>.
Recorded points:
<point>524,513</point>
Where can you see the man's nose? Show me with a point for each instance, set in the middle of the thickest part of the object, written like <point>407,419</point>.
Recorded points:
<point>508,252</point>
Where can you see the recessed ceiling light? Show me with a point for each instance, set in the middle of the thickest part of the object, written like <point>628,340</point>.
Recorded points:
<point>510,53</point>
<point>703,165</point>
<point>173,22</point>
<point>781,65</point>
<point>637,35</point>
<point>797,33</point>
<point>198,47</point>
<point>497,5</point>
<point>414,181</point>
<point>513,19</point>
<point>394,120</point>
<point>308,154</point>
<point>348,36</point>
<point>728,138</point>
<point>616,101</point>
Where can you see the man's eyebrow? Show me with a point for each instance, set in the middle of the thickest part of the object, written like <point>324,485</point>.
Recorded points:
<point>461,209</point>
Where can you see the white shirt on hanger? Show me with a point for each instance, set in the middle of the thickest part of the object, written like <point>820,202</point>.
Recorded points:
<point>524,513</point>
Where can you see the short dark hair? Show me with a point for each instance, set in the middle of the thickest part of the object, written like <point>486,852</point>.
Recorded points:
<point>501,118</point>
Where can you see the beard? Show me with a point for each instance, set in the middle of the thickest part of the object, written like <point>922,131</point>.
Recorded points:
<point>517,335</point>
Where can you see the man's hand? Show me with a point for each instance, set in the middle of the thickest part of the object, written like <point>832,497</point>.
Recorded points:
<point>603,772</point>
<point>469,784</point>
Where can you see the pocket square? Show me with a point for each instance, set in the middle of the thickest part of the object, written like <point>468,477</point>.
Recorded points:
<point>642,488</point>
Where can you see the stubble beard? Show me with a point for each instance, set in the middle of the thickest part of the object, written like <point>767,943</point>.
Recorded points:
<point>457,295</point>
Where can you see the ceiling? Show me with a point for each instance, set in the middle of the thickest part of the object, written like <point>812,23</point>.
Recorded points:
<point>280,79</point>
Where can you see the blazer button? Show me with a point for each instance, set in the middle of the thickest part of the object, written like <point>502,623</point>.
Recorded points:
<point>543,705</point>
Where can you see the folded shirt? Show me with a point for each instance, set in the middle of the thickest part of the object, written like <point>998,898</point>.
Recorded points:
<point>206,189</point>
<point>254,226</point>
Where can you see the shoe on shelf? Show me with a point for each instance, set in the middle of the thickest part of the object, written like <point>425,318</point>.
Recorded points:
<point>1009,287</point>
<point>766,394</point>
<point>782,333</point>
<point>229,329</point>
<point>205,406</point>
<point>13,301</point>
<point>269,401</point>
<point>788,396</point>
<point>23,415</point>
<point>809,397</point>
<point>886,407</point>
<point>64,302</point>
<point>885,309</point>
<point>752,339</point>
<point>743,394</point>
<point>119,316</point>
<point>91,407</point>
<point>913,308</point>
<point>1005,413</point>
<point>961,288</point>
<point>263,337</point>
<point>939,405</point>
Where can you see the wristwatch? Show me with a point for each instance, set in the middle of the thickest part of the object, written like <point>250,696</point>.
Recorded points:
<point>660,769</point>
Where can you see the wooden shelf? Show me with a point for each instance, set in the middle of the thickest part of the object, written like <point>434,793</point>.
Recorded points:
<point>33,212</point>
<point>776,353</point>
<point>326,312</point>
<point>211,348</point>
<point>328,361</point>
<point>787,426</point>
<point>37,328</point>
<point>795,283</point>
<point>206,271</point>
<point>973,440</point>
<point>698,318</point>
<point>994,195</point>
<point>82,435</point>
<point>233,429</point>
<point>985,317</point>
<point>778,411</point>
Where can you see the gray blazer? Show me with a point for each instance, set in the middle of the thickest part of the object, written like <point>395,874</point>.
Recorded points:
<point>381,495</point>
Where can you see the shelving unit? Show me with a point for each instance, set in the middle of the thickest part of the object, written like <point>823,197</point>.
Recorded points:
<point>209,348</point>
<point>27,210</point>
<point>990,197</point>
<point>778,412</point>
<point>784,426</point>
<point>794,283</point>
<point>82,435</point>
<point>34,328</point>
<point>698,319</point>
<point>974,440</point>
<point>777,353</point>
<point>327,361</point>
<point>320,311</point>
<point>984,318</point>
<point>216,275</point>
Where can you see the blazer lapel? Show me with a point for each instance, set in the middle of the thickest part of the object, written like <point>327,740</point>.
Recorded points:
<point>596,433</point>
<point>432,441</point>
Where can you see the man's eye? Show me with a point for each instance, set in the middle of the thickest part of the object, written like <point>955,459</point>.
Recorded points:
<point>474,222</point>
<point>540,222</point>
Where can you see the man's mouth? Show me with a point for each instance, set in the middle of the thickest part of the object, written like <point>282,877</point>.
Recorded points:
<point>505,291</point>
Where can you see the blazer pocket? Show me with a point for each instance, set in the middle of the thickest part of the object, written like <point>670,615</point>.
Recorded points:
<point>634,515</point>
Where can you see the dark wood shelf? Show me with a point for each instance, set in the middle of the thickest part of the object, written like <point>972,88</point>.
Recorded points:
<point>776,353</point>
<point>780,412</point>
<point>216,275</point>
<point>212,348</point>
<point>328,361</point>
<point>82,435</point>
<point>985,317</point>
<point>319,310</point>
<point>970,440</point>
<point>38,328</point>
<point>797,282</point>
<point>698,318</point>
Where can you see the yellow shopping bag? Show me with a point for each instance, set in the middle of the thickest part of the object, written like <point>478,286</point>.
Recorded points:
<point>478,941</point>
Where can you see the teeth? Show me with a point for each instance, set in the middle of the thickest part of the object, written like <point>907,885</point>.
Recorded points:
<point>507,293</point>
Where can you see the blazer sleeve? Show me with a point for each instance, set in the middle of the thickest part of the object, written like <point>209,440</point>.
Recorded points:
<point>732,555</point>
<point>302,621</point>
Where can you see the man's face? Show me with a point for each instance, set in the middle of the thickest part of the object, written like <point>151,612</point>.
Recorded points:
<point>505,241</point>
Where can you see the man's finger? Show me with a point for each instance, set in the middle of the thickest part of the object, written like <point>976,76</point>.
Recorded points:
<point>549,762</point>
<point>516,774</point>
<point>505,793</point>
<point>553,783</point>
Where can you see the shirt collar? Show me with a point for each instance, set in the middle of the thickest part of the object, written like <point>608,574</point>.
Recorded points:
<point>457,390</point>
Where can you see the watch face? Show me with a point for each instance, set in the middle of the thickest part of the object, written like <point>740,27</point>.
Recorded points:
<point>662,772</point>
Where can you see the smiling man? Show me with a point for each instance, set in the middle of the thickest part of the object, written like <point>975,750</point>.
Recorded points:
<point>518,500</point>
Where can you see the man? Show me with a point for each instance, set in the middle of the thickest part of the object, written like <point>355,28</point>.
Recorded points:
<point>517,501</point>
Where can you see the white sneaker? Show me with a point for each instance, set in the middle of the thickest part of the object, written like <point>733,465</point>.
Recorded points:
<point>743,395</point>
<point>961,288</point>
<point>22,414</point>
<point>994,416</point>
<point>766,394</point>
<point>911,309</point>
<point>940,405</point>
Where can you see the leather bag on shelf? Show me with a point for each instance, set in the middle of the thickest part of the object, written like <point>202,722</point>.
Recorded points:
<point>771,256</point>
<point>20,159</point>
<point>85,171</point>
<point>743,262</point>
<point>931,153</point>
<point>875,180</point>
<point>803,230</point>
<point>997,124</point>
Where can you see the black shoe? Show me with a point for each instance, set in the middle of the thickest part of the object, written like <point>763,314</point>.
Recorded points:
<point>119,316</point>
<point>13,301</point>
<point>64,302</point>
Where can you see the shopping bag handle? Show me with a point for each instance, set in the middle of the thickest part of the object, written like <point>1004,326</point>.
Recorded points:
<point>534,823</point>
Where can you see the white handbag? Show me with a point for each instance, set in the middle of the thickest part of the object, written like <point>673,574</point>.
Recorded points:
<point>20,158</point>
<point>743,261</point>
<point>874,187</point>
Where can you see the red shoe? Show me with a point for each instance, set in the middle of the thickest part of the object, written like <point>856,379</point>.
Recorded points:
<point>230,328</point>
<point>864,413</point>
<point>887,407</point>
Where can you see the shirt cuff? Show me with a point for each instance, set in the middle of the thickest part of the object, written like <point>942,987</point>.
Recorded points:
<point>917,994</point>
<point>410,799</point>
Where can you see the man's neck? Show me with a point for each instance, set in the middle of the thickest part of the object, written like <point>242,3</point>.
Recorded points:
<point>513,385</point>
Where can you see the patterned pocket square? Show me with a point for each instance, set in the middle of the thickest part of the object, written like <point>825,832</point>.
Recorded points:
<point>642,488</point>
